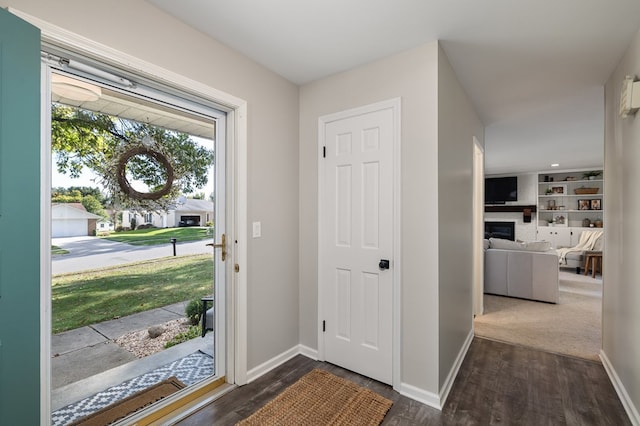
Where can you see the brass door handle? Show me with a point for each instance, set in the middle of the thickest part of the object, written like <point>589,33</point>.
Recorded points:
<point>222,245</point>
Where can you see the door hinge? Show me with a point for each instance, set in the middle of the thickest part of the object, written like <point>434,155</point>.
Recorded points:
<point>324,326</point>
<point>324,152</point>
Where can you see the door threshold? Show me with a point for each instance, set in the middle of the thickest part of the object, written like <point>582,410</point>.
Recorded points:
<point>177,407</point>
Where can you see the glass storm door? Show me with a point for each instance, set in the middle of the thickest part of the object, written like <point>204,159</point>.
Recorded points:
<point>137,200</point>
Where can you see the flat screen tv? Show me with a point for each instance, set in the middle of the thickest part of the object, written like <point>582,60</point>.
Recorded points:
<point>499,190</point>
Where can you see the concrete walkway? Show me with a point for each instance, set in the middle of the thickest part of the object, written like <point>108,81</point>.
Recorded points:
<point>85,360</point>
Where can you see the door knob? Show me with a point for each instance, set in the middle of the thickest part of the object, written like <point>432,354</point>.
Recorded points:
<point>384,264</point>
<point>222,245</point>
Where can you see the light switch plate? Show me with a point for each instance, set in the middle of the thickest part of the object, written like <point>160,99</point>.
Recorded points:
<point>257,229</point>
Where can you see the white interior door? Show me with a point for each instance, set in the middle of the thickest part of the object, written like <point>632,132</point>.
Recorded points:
<point>356,238</point>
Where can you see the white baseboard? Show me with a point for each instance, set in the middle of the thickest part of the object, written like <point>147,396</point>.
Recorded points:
<point>451,377</point>
<point>278,360</point>
<point>308,352</point>
<point>430,398</point>
<point>629,407</point>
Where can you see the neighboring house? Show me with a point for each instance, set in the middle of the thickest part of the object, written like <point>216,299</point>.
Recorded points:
<point>72,220</point>
<point>105,226</point>
<point>191,212</point>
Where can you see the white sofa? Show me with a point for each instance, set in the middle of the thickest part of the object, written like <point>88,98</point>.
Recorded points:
<point>576,259</point>
<point>524,270</point>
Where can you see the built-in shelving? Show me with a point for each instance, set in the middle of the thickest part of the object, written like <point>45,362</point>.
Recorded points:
<point>559,207</point>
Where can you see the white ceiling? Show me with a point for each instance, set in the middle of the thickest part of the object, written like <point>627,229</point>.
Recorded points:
<point>534,69</point>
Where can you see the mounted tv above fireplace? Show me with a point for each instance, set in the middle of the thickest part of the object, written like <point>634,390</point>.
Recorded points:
<point>499,190</point>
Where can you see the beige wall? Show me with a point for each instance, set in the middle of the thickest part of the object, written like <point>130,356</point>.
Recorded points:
<point>621,291</point>
<point>413,76</point>
<point>458,123</point>
<point>138,29</point>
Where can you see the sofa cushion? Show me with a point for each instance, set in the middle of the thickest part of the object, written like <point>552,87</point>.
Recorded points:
<point>538,246</point>
<point>574,255</point>
<point>500,244</point>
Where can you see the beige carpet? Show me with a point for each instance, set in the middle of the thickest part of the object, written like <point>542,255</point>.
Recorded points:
<point>572,327</point>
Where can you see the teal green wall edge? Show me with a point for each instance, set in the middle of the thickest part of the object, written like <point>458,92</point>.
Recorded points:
<point>19,222</point>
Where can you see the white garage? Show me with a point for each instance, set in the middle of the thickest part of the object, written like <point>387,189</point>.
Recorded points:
<point>72,220</point>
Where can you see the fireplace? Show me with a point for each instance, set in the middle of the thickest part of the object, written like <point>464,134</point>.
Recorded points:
<point>504,230</point>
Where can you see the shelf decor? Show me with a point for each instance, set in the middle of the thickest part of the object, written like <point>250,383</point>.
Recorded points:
<point>559,220</point>
<point>585,191</point>
<point>595,204</point>
<point>584,204</point>
<point>558,189</point>
<point>592,175</point>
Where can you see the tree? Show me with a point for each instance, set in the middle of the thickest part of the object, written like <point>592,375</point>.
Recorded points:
<point>77,192</point>
<point>82,138</point>
<point>93,205</point>
<point>90,198</point>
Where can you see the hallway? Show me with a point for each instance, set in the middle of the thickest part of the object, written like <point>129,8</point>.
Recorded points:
<point>498,383</point>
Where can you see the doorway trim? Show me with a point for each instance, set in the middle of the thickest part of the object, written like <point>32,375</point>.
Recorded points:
<point>478,228</point>
<point>395,105</point>
<point>236,145</point>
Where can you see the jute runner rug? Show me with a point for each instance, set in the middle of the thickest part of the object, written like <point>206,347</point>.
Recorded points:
<point>321,398</point>
<point>131,404</point>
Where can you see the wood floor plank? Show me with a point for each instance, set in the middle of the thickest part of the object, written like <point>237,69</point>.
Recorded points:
<point>498,383</point>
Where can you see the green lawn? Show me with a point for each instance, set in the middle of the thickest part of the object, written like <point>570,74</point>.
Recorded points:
<point>155,236</point>
<point>90,297</point>
<point>58,250</point>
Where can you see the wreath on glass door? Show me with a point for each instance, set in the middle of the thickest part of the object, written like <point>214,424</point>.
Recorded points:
<point>143,156</point>
<point>126,187</point>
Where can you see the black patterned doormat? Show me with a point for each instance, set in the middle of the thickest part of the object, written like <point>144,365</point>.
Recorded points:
<point>189,370</point>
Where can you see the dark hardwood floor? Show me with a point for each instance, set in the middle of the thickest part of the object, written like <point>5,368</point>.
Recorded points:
<point>498,383</point>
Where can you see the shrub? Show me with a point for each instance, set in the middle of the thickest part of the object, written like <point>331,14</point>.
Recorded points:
<point>146,226</point>
<point>193,311</point>
<point>194,331</point>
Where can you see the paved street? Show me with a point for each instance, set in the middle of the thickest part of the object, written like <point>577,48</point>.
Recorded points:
<point>91,252</point>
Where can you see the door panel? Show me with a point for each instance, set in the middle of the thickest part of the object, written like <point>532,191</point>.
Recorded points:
<point>19,221</point>
<point>357,217</point>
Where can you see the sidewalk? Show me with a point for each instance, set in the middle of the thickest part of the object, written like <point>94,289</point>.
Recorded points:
<point>85,360</point>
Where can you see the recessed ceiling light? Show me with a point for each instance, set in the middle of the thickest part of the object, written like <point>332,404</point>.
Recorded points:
<point>555,165</point>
